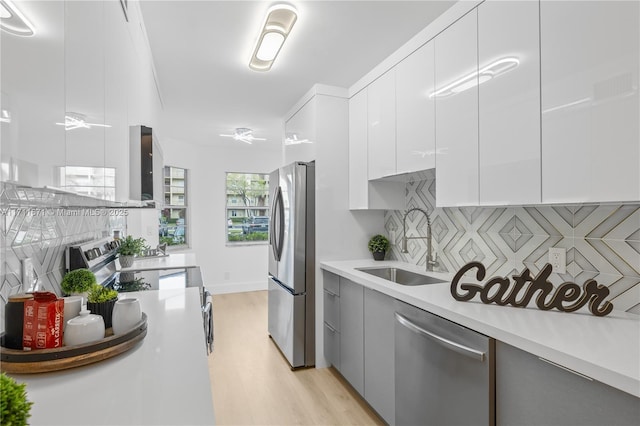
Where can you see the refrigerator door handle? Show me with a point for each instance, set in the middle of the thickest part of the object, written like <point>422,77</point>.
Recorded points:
<point>280,228</point>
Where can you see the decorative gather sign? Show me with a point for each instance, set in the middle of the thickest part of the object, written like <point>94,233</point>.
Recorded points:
<point>568,297</point>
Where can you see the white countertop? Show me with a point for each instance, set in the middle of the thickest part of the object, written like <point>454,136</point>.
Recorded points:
<point>163,380</point>
<point>606,349</point>
<point>173,261</point>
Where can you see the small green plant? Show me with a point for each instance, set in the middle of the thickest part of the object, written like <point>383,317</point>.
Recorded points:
<point>14,406</point>
<point>378,243</point>
<point>99,294</point>
<point>78,281</point>
<point>130,246</point>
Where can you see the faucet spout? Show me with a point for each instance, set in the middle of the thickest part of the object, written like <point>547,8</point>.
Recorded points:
<point>430,259</point>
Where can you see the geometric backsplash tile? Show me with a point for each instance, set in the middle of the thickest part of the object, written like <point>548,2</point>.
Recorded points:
<point>39,224</point>
<point>602,240</point>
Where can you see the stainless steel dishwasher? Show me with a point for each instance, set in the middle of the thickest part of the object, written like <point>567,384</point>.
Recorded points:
<point>444,372</point>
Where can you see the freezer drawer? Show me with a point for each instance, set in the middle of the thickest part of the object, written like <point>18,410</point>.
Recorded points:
<point>287,322</point>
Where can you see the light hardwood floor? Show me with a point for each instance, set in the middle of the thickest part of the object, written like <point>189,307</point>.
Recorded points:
<point>253,385</point>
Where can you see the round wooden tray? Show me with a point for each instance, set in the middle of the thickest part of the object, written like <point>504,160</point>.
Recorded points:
<point>45,360</point>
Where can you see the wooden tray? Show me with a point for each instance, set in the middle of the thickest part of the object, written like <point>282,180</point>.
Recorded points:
<point>45,360</point>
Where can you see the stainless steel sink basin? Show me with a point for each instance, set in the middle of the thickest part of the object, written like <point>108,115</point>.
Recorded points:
<point>401,276</point>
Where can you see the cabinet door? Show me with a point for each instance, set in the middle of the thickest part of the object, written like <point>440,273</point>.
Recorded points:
<point>415,112</point>
<point>32,147</point>
<point>457,113</point>
<point>509,107</point>
<point>379,354</point>
<point>116,75</point>
<point>381,100</point>
<point>85,97</point>
<point>590,55</point>
<point>358,175</point>
<point>352,334</point>
<point>301,127</point>
<point>530,391</point>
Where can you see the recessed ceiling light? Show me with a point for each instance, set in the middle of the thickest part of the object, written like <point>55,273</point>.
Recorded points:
<point>243,134</point>
<point>277,26</point>
<point>14,22</point>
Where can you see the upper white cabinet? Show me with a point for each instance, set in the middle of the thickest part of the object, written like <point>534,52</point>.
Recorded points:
<point>415,111</point>
<point>509,103</point>
<point>456,66</point>
<point>300,134</point>
<point>590,54</point>
<point>381,116</point>
<point>365,194</point>
<point>32,147</point>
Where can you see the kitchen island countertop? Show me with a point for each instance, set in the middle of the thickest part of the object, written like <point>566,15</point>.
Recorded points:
<point>163,380</point>
<point>606,349</point>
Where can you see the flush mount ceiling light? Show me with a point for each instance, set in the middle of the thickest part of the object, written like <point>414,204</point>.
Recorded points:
<point>277,25</point>
<point>73,120</point>
<point>13,21</point>
<point>243,134</point>
<point>292,139</point>
<point>475,78</point>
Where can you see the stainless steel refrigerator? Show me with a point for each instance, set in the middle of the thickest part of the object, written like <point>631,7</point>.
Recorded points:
<point>292,262</point>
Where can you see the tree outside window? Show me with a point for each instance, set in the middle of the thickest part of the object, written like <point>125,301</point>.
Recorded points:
<point>247,207</point>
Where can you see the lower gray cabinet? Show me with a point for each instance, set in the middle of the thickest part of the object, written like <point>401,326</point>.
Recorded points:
<point>533,391</point>
<point>331,283</point>
<point>379,353</point>
<point>352,333</point>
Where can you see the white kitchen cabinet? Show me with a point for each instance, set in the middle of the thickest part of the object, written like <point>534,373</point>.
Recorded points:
<point>85,96</point>
<point>32,101</point>
<point>532,391</point>
<point>590,55</point>
<point>301,127</point>
<point>415,111</point>
<point>365,194</point>
<point>456,61</point>
<point>116,75</point>
<point>381,116</point>
<point>352,333</point>
<point>379,353</point>
<point>509,103</point>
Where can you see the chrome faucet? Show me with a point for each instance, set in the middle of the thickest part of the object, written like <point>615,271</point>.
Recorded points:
<point>431,260</point>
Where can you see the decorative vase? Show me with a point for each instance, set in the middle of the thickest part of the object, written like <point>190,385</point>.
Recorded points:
<point>104,309</point>
<point>126,261</point>
<point>378,255</point>
<point>126,314</point>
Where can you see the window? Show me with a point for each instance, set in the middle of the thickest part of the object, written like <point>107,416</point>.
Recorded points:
<point>173,227</point>
<point>98,182</point>
<point>247,207</point>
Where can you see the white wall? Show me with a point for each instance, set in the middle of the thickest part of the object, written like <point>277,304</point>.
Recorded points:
<point>225,268</point>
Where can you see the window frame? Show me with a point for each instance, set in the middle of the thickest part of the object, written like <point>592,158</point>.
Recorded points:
<point>186,216</point>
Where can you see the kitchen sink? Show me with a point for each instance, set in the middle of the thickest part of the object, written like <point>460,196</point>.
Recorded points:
<point>401,276</point>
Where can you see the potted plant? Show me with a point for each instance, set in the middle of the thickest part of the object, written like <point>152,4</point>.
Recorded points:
<point>78,282</point>
<point>14,406</point>
<point>101,301</point>
<point>378,245</point>
<point>129,248</point>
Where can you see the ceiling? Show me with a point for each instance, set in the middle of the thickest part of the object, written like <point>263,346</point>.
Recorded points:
<point>201,50</point>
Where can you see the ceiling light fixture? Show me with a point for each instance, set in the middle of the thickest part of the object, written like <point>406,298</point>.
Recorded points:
<point>475,78</point>
<point>243,134</point>
<point>277,26</point>
<point>13,21</point>
<point>292,139</point>
<point>73,120</point>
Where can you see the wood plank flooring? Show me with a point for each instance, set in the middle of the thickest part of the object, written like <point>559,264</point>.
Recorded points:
<point>252,383</point>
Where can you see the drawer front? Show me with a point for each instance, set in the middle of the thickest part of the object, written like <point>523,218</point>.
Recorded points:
<point>332,345</point>
<point>331,282</point>
<point>332,309</point>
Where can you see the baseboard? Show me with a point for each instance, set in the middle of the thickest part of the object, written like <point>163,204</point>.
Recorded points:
<point>236,287</point>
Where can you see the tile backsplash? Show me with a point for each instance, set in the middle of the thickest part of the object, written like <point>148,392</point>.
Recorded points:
<point>40,224</point>
<point>602,241</point>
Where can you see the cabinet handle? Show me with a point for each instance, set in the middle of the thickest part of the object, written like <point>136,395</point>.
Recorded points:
<point>565,369</point>
<point>449,344</point>
<point>333,330</point>
<point>330,293</point>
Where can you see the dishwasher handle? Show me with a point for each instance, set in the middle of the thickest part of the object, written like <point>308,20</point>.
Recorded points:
<point>457,347</point>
